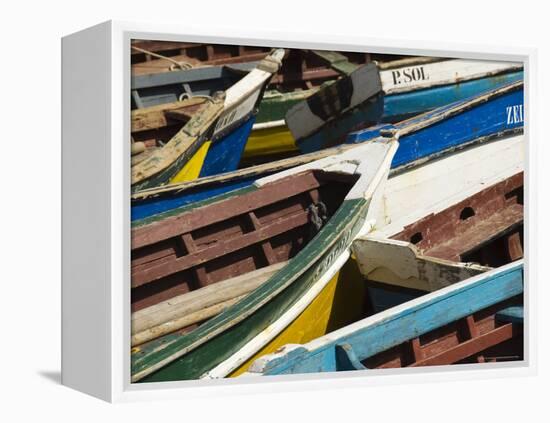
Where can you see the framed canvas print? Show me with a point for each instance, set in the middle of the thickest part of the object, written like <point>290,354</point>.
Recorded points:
<point>249,211</point>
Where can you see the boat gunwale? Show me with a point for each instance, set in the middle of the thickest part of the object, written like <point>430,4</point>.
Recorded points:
<point>294,353</point>
<point>253,82</point>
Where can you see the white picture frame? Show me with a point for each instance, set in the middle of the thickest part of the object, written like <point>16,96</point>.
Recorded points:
<point>96,212</point>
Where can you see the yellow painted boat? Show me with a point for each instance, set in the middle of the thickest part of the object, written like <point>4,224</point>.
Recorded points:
<point>269,139</point>
<point>193,167</point>
<point>341,302</point>
<point>270,136</point>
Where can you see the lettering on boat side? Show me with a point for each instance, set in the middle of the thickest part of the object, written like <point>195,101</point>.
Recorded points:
<point>340,246</point>
<point>229,117</point>
<point>514,114</point>
<point>226,120</point>
<point>407,75</point>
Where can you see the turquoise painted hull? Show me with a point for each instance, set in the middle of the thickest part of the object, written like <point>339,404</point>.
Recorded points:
<point>225,153</point>
<point>396,107</point>
<point>499,114</point>
<point>404,324</point>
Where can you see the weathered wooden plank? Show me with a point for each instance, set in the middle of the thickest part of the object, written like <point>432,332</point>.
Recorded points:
<point>223,247</point>
<point>478,234</point>
<point>182,322</point>
<point>400,263</point>
<point>207,296</point>
<point>156,117</point>
<point>469,348</point>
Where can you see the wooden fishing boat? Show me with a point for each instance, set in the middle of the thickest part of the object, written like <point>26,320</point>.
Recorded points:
<point>307,216</point>
<point>476,320</point>
<point>154,201</point>
<point>415,193</point>
<point>328,305</point>
<point>216,133</point>
<point>486,228</point>
<point>150,57</point>
<point>301,69</point>
<point>301,74</point>
<point>409,196</point>
<point>268,141</point>
<point>428,231</point>
<point>409,89</point>
<point>156,89</point>
<point>481,119</point>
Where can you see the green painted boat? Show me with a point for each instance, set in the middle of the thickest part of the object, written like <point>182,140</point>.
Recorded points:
<point>315,237</point>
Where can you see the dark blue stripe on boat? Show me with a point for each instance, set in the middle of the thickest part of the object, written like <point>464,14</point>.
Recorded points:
<point>397,107</point>
<point>156,205</point>
<point>225,153</point>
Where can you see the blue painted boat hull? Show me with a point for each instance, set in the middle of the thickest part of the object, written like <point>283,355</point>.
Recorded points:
<point>409,322</point>
<point>486,119</point>
<point>225,153</point>
<point>397,107</point>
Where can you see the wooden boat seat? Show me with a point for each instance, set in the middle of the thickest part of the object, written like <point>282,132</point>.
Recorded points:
<point>346,359</point>
<point>477,338</point>
<point>485,228</point>
<point>196,306</point>
<point>479,234</point>
<point>157,125</point>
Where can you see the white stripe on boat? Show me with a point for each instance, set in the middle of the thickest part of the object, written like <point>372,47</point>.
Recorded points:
<point>417,77</point>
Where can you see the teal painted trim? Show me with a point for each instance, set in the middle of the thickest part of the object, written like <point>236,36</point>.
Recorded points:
<point>192,206</point>
<point>411,322</point>
<point>346,359</point>
<point>510,315</point>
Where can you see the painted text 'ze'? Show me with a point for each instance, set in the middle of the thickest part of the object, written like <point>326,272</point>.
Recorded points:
<point>514,114</point>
